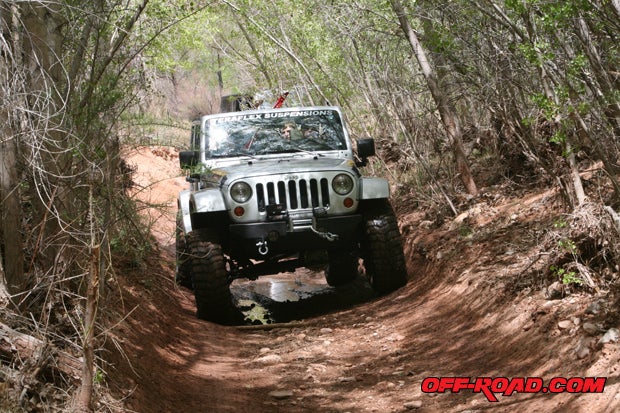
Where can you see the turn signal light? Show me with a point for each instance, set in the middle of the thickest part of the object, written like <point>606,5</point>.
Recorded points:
<point>239,211</point>
<point>348,202</point>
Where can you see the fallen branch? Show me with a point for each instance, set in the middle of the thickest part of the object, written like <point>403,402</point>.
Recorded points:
<point>14,344</point>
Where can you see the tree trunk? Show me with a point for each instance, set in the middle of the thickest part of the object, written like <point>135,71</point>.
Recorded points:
<point>547,83</point>
<point>10,200</point>
<point>83,398</point>
<point>260,64</point>
<point>448,114</point>
<point>41,49</point>
<point>10,231</point>
<point>611,107</point>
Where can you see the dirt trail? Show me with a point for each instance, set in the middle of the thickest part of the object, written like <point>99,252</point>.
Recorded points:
<point>456,317</point>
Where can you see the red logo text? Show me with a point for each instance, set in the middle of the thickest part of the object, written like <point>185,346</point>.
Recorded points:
<point>490,387</point>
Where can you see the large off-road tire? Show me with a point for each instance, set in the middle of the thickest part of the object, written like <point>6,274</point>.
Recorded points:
<point>342,267</point>
<point>210,281</point>
<point>183,262</point>
<point>382,248</point>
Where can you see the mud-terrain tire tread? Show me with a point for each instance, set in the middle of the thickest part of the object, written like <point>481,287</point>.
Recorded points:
<point>382,248</point>
<point>342,268</point>
<point>183,262</point>
<point>209,277</point>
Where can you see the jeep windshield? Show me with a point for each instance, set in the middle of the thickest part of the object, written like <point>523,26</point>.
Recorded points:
<point>278,132</point>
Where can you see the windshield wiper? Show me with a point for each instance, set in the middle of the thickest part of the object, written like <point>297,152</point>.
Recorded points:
<point>296,150</point>
<point>233,155</point>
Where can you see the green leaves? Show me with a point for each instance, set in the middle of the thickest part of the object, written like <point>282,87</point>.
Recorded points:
<point>566,276</point>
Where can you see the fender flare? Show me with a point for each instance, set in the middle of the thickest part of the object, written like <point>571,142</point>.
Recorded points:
<point>204,201</point>
<point>374,188</point>
<point>183,203</point>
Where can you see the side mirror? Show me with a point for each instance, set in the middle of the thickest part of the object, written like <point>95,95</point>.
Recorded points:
<point>189,159</point>
<point>365,148</point>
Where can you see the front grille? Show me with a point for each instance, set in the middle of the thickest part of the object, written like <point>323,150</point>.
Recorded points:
<point>293,195</point>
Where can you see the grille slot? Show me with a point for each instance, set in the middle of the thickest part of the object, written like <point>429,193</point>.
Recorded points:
<point>293,194</point>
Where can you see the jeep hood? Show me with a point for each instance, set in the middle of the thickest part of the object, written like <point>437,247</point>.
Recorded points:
<point>280,166</point>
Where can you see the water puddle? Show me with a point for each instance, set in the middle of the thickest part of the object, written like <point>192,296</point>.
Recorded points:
<point>286,287</point>
<point>293,296</point>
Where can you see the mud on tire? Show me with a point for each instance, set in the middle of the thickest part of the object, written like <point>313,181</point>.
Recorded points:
<point>209,276</point>
<point>382,248</point>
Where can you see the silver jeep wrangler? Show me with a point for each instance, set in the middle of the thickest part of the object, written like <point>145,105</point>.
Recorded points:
<point>269,188</point>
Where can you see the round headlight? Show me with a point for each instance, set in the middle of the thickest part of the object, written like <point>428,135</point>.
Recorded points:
<point>241,192</point>
<point>342,184</point>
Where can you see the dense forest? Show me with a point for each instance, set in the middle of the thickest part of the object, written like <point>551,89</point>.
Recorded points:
<point>464,94</point>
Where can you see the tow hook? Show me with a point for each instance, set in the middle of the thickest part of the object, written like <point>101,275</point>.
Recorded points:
<point>326,235</point>
<point>263,249</point>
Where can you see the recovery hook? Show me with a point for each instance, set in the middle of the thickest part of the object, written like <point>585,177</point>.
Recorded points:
<point>263,249</point>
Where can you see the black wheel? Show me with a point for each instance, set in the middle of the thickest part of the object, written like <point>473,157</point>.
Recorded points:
<point>183,275</point>
<point>208,271</point>
<point>342,267</point>
<point>382,248</point>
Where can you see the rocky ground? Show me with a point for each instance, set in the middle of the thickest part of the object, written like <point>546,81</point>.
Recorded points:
<point>481,302</point>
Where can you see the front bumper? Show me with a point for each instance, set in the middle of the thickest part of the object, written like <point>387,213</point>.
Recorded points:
<point>263,239</point>
<point>343,226</point>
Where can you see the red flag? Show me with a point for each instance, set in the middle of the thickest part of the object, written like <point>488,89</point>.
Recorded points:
<point>281,100</point>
